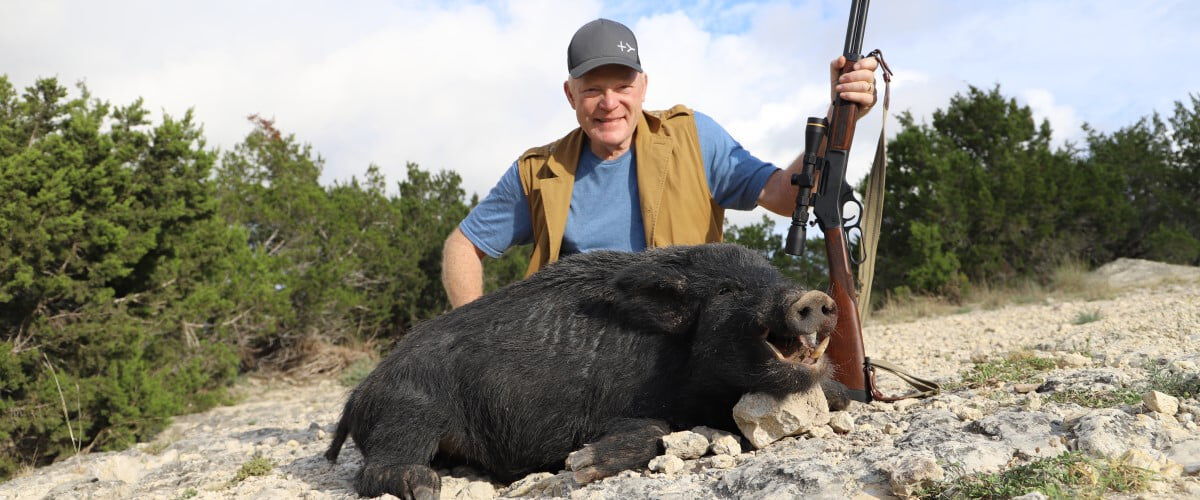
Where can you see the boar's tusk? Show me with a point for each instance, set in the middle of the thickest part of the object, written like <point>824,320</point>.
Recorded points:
<point>820,349</point>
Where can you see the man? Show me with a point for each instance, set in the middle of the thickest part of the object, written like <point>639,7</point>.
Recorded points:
<point>625,179</point>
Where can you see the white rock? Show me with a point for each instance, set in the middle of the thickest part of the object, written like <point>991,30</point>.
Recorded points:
<point>721,442</point>
<point>1162,403</point>
<point>841,421</point>
<point>685,444</point>
<point>1035,495</point>
<point>1074,360</point>
<point>909,473</point>
<point>727,444</point>
<point>722,461</point>
<point>477,490</point>
<point>968,413</point>
<point>668,464</point>
<point>527,484</point>
<point>764,419</point>
<point>1186,454</point>
<point>821,432</point>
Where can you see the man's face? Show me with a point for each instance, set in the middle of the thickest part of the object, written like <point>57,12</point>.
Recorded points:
<point>608,104</point>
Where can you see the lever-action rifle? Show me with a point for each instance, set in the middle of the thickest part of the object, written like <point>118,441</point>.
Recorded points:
<point>823,187</point>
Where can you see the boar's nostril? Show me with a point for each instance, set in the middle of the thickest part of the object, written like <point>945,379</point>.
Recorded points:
<point>805,312</point>
<point>829,308</point>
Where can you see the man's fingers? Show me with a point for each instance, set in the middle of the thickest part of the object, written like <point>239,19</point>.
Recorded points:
<point>862,75</point>
<point>837,64</point>
<point>868,63</point>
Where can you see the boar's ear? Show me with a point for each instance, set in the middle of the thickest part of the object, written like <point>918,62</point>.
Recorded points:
<point>653,295</point>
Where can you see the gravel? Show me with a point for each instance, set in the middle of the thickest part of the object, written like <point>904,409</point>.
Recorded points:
<point>877,449</point>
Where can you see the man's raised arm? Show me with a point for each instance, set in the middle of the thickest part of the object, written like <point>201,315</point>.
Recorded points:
<point>462,269</point>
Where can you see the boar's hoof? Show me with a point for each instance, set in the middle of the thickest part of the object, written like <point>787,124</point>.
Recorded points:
<point>836,393</point>
<point>409,482</point>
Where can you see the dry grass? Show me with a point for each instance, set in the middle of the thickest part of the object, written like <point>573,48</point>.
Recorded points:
<point>1069,281</point>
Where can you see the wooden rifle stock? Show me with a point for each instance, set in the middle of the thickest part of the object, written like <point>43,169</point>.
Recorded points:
<point>846,349</point>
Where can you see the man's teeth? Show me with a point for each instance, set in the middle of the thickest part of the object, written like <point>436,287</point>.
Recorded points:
<point>820,349</point>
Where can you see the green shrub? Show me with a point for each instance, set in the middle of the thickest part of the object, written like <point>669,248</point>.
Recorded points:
<point>119,287</point>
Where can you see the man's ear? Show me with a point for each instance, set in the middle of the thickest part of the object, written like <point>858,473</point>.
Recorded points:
<point>651,295</point>
<point>567,92</point>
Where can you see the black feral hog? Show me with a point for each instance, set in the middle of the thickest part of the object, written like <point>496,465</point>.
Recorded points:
<point>608,349</point>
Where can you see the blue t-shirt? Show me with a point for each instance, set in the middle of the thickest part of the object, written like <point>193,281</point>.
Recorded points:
<point>605,212</point>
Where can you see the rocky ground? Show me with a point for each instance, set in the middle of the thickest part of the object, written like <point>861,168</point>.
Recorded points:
<point>270,446</point>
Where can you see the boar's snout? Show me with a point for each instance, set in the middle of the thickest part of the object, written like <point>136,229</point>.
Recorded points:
<point>814,312</point>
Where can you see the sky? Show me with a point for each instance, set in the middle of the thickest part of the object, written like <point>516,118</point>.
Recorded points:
<point>468,85</point>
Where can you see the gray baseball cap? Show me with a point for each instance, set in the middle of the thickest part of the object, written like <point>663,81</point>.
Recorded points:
<point>601,42</point>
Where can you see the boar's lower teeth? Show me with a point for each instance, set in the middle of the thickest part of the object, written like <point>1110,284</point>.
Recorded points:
<point>787,347</point>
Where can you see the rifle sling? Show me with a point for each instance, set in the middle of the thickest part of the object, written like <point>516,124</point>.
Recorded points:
<point>872,218</point>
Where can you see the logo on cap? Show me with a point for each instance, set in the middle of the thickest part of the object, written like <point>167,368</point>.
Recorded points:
<point>625,47</point>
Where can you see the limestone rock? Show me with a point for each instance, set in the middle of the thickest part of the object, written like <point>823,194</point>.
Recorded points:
<point>1186,454</point>
<point>1162,403</point>
<point>722,443</point>
<point>722,461</point>
<point>841,422</point>
<point>1031,434</point>
<point>727,445</point>
<point>911,472</point>
<point>1109,432</point>
<point>763,419</point>
<point>668,464</point>
<point>685,444</point>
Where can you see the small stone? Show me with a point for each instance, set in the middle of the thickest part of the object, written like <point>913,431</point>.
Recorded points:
<point>321,434</point>
<point>1162,403</point>
<point>721,442</point>
<point>841,422</point>
<point>527,485</point>
<point>979,357</point>
<point>910,473</point>
<point>206,428</point>
<point>820,432</point>
<point>314,426</point>
<point>477,490</point>
<point>685,444</point>
<point>1074,360</point>
<point>1024,388</point>
<point>1033,401</point>
<point>891,428</point>
<point>966,413</point>
<point>668,464</point>
<point>726,445</point>
<point>904,404</point>
<point>722,461</point>
<point>1187,455</point>
<point>1033,495</point>
<point>866,427</point>
<point>292,443</point>
<point>270,441</point>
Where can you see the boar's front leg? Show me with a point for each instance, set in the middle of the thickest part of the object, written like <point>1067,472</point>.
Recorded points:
<point>628,443</point>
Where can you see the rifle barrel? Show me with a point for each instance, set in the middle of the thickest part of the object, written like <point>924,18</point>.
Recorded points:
<point>855,28</point>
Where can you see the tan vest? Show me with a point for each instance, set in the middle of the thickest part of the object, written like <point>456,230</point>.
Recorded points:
<point>677,207</point>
